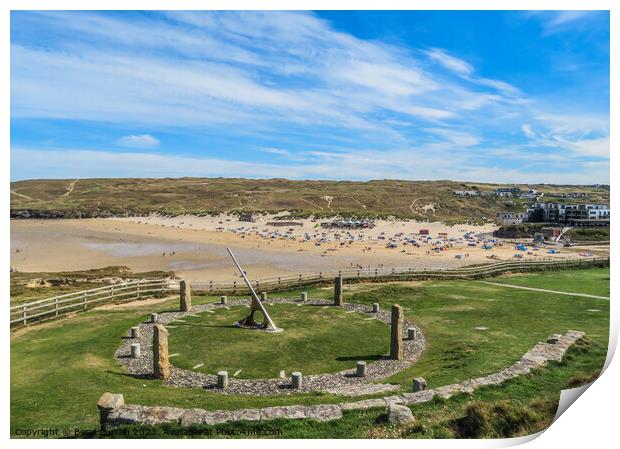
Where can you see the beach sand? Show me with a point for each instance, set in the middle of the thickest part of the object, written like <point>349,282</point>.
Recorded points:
<point>195,247</point>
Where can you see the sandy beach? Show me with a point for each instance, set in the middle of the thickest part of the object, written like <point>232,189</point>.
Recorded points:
<point>195,247</point>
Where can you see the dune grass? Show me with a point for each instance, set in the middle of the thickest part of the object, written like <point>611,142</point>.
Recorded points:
<point>377,198</point>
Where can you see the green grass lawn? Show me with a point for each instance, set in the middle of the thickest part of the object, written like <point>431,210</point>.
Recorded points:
<point>314,340</point>
<point>591,282</point>
<point>59,370</point>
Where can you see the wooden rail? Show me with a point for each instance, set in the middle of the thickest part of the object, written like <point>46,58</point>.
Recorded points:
<point>49,308</point>
<point>386,274</point>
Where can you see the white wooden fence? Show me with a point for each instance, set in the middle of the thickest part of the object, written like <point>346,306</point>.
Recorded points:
<point>44,309</point>
<point>49,308</point>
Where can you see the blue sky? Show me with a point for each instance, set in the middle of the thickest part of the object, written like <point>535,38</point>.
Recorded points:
<point>473,96</point>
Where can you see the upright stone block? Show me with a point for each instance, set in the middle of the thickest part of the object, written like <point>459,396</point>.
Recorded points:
<point>223,300</point>
<point>263,296</point>
<point>161,365</point>
<point>304,296</point>
<point>338,298</point>
<point>412,333</point>
<point>396,349</point>
<point>135,350</point>
<point>107,403</point>
<point>153,318</point>
<point>222,380</point>
<point>361,369</point>
<point>185,293</point>
<point>419,384</point>
<point>375,307</point>
<point>135,332</point>
<point>296,380</point>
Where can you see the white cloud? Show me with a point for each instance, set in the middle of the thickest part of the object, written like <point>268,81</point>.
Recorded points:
<point>278,151</point>
<point>457,65</point>
<point>527,130</point>
<point>231,68</point>
<point>568,20</point>
<point>356,165</point>
<point>458,138</point>
<point>139,141</point>
<point>598,147</point>
<point>282,74</point>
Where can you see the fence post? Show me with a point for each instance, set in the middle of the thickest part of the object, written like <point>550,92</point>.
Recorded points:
<point>210,286</point>
<point>358,273</point>
<point>234,286</point>
<point>138,290</point>
<point>300,280</point>
<point>56,306</point>
<point>25,314</point>
<point>84,301</point>
<point>320,275</point>
<point>376,272</point>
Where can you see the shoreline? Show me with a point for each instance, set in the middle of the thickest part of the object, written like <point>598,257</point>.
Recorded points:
<point>195,247</point>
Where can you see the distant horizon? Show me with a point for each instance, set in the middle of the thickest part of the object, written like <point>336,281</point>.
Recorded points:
<point>311,180</point>
<point>505,97</point>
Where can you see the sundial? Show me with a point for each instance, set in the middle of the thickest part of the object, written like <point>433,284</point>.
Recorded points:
<point>257,306</point>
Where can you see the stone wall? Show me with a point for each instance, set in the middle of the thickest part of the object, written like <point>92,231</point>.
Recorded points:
<point>113,411</point>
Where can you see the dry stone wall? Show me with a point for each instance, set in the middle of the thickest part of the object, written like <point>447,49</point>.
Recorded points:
<point>113,411</point>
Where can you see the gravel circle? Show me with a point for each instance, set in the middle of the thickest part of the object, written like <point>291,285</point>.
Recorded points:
<point>343,382</point>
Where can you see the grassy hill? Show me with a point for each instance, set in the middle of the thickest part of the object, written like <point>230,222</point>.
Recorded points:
<point>425,200</point>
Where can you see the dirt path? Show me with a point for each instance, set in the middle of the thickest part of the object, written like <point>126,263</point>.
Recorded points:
<point>70,187</point>
<point>19,194</point>
<point>584,295</point>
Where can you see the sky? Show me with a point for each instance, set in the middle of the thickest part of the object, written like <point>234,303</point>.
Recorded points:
<point>419,95</point>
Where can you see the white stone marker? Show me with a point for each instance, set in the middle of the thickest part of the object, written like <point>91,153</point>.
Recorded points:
<point>304,296</point>
<point>153,318</point>
<point>222,380</point>
<point>296,380</point>
<point>135,332</point>
<point>375,307</point>
<point>135,350</point>
<point>223,300</point>
<point>263,296</point>
<point>282,374</point>
<point>361,368</point>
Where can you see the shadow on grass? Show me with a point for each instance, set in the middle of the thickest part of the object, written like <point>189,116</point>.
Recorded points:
<point>227,326</point>
<point>133,376</point>
<point>348,358</point>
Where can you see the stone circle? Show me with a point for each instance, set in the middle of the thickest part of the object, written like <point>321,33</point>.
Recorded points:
<point>344,382</point>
